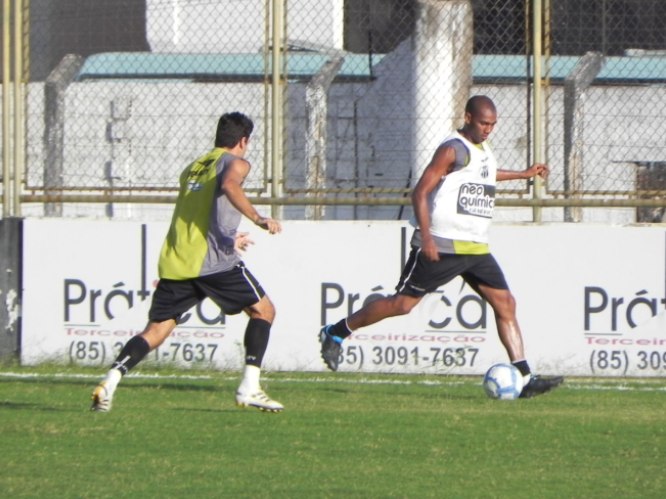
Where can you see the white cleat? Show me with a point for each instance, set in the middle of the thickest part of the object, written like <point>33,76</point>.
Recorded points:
<point>102,398</point>
<point>258,399</point>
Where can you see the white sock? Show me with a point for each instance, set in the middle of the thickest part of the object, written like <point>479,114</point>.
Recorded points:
<point>112,378</point>
<point>250,382</point>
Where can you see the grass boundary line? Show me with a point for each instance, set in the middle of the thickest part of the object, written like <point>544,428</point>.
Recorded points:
<point>607,384</point>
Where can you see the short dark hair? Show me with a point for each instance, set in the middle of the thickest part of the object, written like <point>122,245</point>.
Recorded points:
<point>477,102</point>
<point>231,128</point>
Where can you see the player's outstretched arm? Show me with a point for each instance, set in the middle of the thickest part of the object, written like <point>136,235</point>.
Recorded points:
<point>232,186</point>
<point>536,170</point>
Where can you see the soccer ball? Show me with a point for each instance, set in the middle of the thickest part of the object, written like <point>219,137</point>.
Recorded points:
<point>503,381</point>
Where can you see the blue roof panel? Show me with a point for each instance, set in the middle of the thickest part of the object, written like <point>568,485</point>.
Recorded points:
<point>147,65</point>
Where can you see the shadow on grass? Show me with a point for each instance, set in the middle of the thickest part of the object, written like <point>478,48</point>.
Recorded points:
<point>161,384</point>
<point>32,406</point>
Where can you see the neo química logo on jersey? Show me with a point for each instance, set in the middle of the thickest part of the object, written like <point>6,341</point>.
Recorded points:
<point>477,200</point>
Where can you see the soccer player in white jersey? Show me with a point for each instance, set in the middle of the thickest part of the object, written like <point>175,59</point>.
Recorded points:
<point>453,205</point>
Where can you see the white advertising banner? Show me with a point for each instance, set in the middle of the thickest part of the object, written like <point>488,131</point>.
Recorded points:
<point>591,299</point>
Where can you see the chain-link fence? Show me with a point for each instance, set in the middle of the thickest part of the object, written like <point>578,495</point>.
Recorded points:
<point>349,97</point>
<point>611,101</point>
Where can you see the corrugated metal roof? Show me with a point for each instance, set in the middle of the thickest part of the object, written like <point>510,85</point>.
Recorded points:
<point>229,67</point>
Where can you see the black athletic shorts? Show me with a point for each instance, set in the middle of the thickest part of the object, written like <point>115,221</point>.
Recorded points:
<point>421,276</point>
<point>232,290</point>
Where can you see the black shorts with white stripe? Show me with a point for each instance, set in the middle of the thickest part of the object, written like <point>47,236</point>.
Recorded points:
<point>420,276</point>
<point>232,290</point>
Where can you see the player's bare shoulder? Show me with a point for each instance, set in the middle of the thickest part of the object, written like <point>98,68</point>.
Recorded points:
<point>444,159</point>
<point>236,170</point>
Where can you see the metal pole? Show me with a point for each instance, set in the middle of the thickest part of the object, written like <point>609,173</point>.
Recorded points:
<point>18,105</point>
<point>276,106</point>
<point>267,158</point>
<point>350,201</point>
<point>537,156</point>
<point>6,110</point>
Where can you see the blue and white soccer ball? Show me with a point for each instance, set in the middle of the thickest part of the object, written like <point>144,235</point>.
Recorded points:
<point>503,382</point>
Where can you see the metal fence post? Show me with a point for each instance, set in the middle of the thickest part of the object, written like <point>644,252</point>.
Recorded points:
<point>6,109</point>
<point>537,102</point>
<point>276,105</point>
<point>19,107</point>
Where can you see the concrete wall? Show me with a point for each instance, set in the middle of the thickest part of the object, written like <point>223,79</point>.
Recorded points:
<point>10,287</point>
<point>191,26</point>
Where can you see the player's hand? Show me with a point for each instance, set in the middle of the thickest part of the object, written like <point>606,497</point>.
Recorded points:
<point>429,250</point>
<point>272,226</point>
<point>242,241</point>
<point>537,169</point>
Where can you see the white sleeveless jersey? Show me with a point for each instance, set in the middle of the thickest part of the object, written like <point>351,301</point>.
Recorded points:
<point>461,208</point>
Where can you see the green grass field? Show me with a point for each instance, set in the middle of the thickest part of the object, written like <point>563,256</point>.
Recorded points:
<point>341,435</point>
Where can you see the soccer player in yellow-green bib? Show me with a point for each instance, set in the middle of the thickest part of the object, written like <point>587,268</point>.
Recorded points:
<point>200,259</point>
